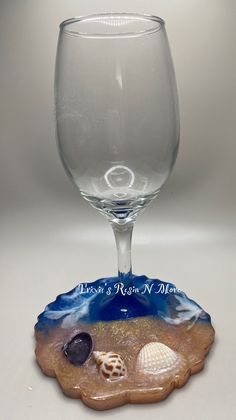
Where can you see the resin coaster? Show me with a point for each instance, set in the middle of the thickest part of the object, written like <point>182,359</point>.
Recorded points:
<point>110,343</point>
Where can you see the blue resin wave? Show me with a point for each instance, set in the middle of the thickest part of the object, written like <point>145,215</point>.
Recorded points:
<point>110,299</point>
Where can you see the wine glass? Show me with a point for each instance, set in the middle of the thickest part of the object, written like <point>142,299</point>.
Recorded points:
<point>118,135</point>
<point>117,116</point>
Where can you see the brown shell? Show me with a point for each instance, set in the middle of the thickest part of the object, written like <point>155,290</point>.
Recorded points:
<point>111,365</point>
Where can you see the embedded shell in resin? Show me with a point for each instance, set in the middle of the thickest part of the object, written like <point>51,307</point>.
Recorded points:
<point>111,365</point>
<point>156,357</point>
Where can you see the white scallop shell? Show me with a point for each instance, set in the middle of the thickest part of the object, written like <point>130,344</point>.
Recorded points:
<point>157,357</point>
<point>111,365</point>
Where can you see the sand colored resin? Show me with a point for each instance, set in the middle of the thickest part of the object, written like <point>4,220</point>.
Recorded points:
<point>126,337</point>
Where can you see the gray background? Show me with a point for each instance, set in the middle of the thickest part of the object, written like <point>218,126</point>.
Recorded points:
<point>51,238</point>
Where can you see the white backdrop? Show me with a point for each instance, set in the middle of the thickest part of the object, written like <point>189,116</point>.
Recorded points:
<point>49,235</point>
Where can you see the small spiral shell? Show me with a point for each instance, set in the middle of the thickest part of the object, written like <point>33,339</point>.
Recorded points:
<point>111,365</point>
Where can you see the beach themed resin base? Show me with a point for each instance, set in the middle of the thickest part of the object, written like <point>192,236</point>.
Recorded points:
<point>112,342</point>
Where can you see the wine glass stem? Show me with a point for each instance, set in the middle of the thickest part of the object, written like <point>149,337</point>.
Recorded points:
<point>123,237</point>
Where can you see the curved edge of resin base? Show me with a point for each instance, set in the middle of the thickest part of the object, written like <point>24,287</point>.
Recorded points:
<point>155,312</point>
<point>129,397</point>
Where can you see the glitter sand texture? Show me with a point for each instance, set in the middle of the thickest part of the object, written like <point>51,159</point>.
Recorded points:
<point>126,338</point>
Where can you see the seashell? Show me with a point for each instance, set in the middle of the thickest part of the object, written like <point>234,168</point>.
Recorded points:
<point>79,348</point>
<point>156,357</point>
<point>111,365</point>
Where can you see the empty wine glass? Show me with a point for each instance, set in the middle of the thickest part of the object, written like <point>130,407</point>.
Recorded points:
<point>117,115</point>
<point>129,338</point>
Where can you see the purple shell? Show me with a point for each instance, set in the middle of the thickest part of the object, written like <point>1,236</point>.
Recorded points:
<point>79,348</point>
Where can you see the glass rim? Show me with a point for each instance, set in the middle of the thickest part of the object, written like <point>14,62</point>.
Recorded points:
<point>135,16</point>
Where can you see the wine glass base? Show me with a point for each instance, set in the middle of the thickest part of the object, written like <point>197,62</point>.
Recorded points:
<point>142,339</point>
